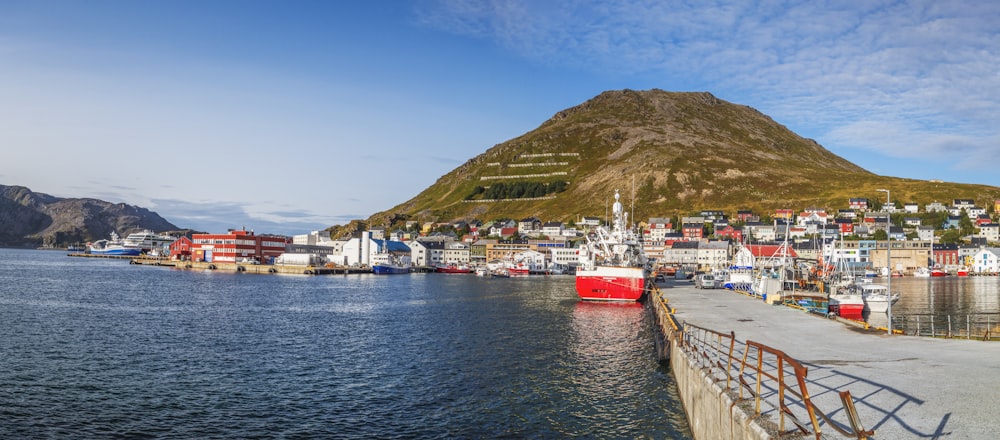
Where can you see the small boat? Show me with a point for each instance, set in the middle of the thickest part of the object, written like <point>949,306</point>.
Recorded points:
<point>452,268</point>
<point>847,304</point>
<point>876,297</point>
<point>936,271</point>
<point>922,272</point>
<point>963,272</point>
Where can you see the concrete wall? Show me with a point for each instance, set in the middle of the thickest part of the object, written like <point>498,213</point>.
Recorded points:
<point>710,410</point>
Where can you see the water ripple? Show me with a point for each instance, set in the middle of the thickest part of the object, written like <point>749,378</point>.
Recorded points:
<point>103,349</point>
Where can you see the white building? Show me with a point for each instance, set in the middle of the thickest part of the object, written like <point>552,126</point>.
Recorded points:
<point>987,260</point>
<point>455,252</point>
<point>990,231</point>
<point>564,256</point>
<point>427,253</point>
<point>713,255</point>
<point>359,251</point>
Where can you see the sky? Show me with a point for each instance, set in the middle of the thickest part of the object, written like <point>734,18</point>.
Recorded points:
<point>292,116</point>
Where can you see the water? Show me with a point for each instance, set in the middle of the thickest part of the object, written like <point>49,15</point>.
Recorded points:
<point>935,299</point>
<point>99,348</point>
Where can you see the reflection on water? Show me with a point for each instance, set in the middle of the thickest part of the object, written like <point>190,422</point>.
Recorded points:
<point>933,305</point>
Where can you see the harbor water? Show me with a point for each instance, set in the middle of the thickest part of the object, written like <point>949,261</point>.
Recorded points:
<point>969,304</point>
<point>99,348</point>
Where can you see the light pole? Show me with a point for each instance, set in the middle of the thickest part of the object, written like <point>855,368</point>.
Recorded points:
<point>888,257</point>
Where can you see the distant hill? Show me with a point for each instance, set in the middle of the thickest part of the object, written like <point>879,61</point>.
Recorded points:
<point>680,152</point>
<point>35,219</point>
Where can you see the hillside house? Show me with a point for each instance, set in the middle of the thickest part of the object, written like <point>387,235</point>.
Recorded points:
<point>982,219</point>
<point>859,204</point>
<point>935,206</point>
<point>529,225</point>
<point>730,232</point>
<point>990,231</point>
<point>847,213</point>
<point>811,217</point>
<point>787,214</point>
<point>589,222</point>
<point>745,215</point>
<point>552,229</point>
<point>845,225</point>
<point>712,215</point>
<point>952,222</point>
<point>693,231</point>
<point>925,233</point>
<point>963,203</point>
<point>911,208</point>
<point>659,227</point>
<point>911,221</point>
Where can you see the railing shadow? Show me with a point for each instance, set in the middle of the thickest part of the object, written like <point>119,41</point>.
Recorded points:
<point>779,390</point>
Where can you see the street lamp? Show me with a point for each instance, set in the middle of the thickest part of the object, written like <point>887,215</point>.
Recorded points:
<point>888,257</point>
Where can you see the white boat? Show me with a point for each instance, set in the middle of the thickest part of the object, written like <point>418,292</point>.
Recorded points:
<point>147,240</point>
<point>922,272</point>
<point>876,297</point>
<point>113,247</point>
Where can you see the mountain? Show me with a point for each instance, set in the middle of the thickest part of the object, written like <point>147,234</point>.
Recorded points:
<point>33,219</point>
<point>673,153</point>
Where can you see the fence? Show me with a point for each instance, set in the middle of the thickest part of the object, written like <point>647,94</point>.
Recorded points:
<point>765,381</point>
<point>976,325</point>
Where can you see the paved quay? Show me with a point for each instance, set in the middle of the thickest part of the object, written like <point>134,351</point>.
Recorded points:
<point>905,387</point>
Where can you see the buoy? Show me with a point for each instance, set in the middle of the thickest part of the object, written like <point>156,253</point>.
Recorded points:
<point>272,270</point>
<point>211,267</point>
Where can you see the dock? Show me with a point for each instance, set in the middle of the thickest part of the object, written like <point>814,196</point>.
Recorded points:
<point>249,268</point>
<point>901,386</point>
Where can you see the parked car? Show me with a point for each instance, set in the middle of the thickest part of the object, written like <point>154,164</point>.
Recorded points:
<point>704,281</point>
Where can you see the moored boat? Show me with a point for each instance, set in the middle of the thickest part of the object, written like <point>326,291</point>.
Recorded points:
<point>452,268</point>
<point>613,265</point>
<point>847,304</point>
<point>388,262</point>
<point>113,247</point>
<point>876,297</point>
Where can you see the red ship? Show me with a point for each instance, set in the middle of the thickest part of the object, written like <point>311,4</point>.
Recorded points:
<point>613,265</point>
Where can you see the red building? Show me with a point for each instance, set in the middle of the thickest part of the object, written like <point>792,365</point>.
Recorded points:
<point>736,234</point>
<point>237,246</point>
<point>181,249</point>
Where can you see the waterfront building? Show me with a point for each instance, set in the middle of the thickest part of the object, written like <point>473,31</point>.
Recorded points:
<point>237,245</point>
<point>180,249</point>
<point>359,251</point>
<point>986,260</point>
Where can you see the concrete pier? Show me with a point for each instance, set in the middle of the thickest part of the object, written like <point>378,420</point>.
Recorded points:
<point>903,387</point>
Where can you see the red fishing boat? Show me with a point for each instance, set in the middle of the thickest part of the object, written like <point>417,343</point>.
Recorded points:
<point>612,264</point>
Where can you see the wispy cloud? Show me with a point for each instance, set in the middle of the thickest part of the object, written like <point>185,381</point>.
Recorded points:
<point>904,78</point>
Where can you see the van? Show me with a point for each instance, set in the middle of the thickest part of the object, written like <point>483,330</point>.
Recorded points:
<point>705,281</point>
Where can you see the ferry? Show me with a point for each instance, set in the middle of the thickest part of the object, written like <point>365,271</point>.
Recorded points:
<point>113,247</point>
<point>147,240</point>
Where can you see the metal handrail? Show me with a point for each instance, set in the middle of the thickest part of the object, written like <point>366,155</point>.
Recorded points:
<point>716,351</point>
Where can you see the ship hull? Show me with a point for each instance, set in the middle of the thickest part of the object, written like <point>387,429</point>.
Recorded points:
<point>117,252</point>
<point>383,269</point>
<point>611,283</point>
<point>848,308</point>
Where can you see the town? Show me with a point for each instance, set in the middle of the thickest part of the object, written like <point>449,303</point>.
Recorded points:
<point>956,238</point>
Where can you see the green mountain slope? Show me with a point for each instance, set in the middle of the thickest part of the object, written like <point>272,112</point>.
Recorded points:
<point>675,153</point>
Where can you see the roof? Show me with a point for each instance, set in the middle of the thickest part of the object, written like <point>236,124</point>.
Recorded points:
<point>768,250</point>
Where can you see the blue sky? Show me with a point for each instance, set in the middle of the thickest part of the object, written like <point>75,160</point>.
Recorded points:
<point>287,117</point>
